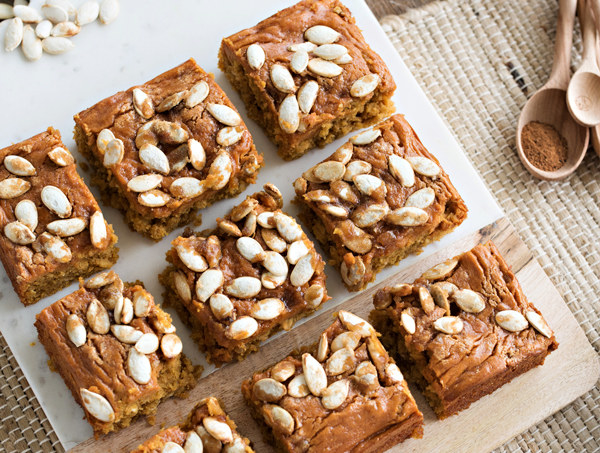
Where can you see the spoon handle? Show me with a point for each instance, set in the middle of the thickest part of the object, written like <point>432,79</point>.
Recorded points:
<point>560,75</point>
<point>588,32</point>
<point>595,6</point>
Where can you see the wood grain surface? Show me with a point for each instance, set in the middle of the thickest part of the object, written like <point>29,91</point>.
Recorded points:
<point>569,372</point>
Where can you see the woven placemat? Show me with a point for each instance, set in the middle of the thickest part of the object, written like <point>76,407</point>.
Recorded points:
<point>478,61</point>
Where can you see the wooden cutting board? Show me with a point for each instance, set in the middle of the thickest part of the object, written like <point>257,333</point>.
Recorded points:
<point>568,372</point>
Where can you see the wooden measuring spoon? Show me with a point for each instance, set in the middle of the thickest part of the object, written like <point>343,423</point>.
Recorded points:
<point>583,94</point>
<point>595,137</point>
<point>548,105</point>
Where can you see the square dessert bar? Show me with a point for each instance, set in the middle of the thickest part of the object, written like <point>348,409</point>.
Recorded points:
<point>463,329</point>
<point>343,394</point>
<point>379,198</point>
<point>207,429</point>
<point>52,229</point>
<point>116,351</point>
<point>256,273</point>
<point>307,76</point>
<point>166,148</point>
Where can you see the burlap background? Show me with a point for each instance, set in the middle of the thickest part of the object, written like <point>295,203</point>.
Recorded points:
<point>478,61</point>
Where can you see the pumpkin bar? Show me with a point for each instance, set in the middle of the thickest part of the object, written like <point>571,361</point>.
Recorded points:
<point>165,149</point>
<point>116,350</point>
<point>463,329</point>
<point>207,428</point>
<point>255,274</point>
<point>379,198</point>
<point>343,394</point>
<point>52,229</point>
<point>307,76</point>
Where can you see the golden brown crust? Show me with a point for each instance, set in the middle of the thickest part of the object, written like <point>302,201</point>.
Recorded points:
<point>117,114</point>
<point>390,243</point>
<point>335,112</point>
<point>33,272</point>
<point>101,363</point>
<point>456,370</point>
<point>372,417</point>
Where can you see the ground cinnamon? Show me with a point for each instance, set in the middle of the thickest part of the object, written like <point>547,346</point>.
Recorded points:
<point>543,146</point>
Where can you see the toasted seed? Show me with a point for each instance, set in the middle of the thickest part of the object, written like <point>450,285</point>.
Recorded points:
<point>368,184</point>
<point>334,210</point>
<point>55,13</point>
<point>142,103</point>
<point>267,309</point>
<point>14,34</point>
<point>13,187</point>
<point>26,213</point>
<point>511,320</point>
<point>307,95</point>
<point>345,340</point>
<point>266,219</point>
<point>143,183</point>
<point>407,217</point>
<point>64,4</point>
<point>314,295</point>
<point>344,190</point>
<point>364,86</point>
<point>335,395</point>
<point>323,347</point>
<point>393,373</point>
<point>283,370</point>
<point>356,167</point>
<point>268,390</point>
<point>275,263</point>
<point>171,345</point>
<point>31,45</point>
<point>303,271</point>
<point>197,94</point>
<point>250,249</point>
<point>210,443</point>
<point>368,215</point>
<point>242,328</point>
<point>55,247</point>
<point>56,45</point>
<point>539,323</point>
<point>440,297</point>
<point>27,13</point>
<point>55,200</point>
<point>181,287</point>
<point>88,12</point>
<point>97,317</point>
<point>353,237</point>
<point>147,343</point>
<point>287,227</point>
<point>344,153</point>
<point>273,191</point>
<point>330,51</point>
<point>441,270</point>
<point>61,157</point>
<point>138,366</point>
<point>289,114</point>
<point>193,444</point>
<point>6,11</point>
<point>115,150</point>
<point>208,283</point>
<point>299,61</point>
<point>191,258</point>
<point>401,170</point>
<point>353,273</point>
<point>298,387</point>
<point>112,295</point>
<point>221,306</point>
<point>142,302</point>
<point>278,418</point>
<point>126,334</point>
<point>153,198</point>
<point>18,233</point>
<point>67,227</point>
<point>196,154</point>
<point>65,30</point>
<point>324,68</point>
<point>243,209</point>
<point>366,137</point>
<point>76,330</point>
<point>187,187</point>
<point>154,158</point>
<point>172,447</point>
<point>426,300</point>
<point>340,362</point>
<point>101,279</point>
<point>171,101</point>
<point>422,198</point>
<point>229,228</point>
<point>319,196</point>
<point>314,374</point>
<point>321,34</point>
<point>97,406</point>
<point>469,301</point>
<point>282,79</point>
<point>19,166</point>
<point>296,250</point>
<point>344,59</point>
<point>98,230</point>
<point>224,114</point>
<point>355,324</point>
<point>328,171</point>
<point>220,171</point>
<point>243,287</point>
<point>256,56</point>
<point>271,281</point>
<point>424,166</point>
<point>109,10</point>
<point>364,368</point>
<point>105,136</point>
<point>451,325</point>
<point>117,306</point>
<point>230,135</point>
<point>306,46</point>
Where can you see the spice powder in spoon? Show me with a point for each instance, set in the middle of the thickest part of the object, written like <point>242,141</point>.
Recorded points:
<point>543,146</point>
